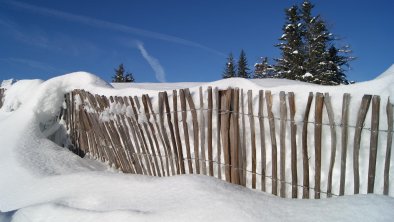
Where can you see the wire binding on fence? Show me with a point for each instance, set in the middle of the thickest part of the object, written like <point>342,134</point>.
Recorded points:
<point>266,117</point>
<point>228,165</point>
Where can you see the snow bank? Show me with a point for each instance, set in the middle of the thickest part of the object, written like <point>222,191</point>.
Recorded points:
<point>41,181</point>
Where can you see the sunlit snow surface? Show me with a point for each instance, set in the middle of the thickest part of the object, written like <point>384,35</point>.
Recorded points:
<point>40,181</point>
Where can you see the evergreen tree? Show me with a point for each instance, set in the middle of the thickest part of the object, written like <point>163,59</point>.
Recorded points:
<point>290,66</point>
<point>316,39</point>
<point>229,71</point>
<point>308,52</point>
<point>129,77</point>
<point>334,73</point>
<point>120,75</point>
<point>243,70</point>
<point>263,69</point>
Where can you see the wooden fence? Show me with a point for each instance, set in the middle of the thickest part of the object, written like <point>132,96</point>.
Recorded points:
<point>243,138</point>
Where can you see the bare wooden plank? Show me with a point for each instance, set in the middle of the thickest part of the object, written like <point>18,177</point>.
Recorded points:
<point>362,113</point>
<point>172,134</point>
<point>293,137</point>
<point>185,129</point>
<point>262,139</point>
<point>167,147</point>
<point>344,141</point>
<point>271,120</point>
<point>209,116</point>
<point>252,137</point>
<point>243,140</point>
<point>177,134</point>
<point>331,120</point>
<point>225,128</point>
<point>218,127</point>
<point>234,144</point>
<point>282,142</point>
<point>305,157</point>
<point>373,143</point>
<point>386,179</point>
<point>195,129</point>
<point>319,102</point>
<point>202,131</point>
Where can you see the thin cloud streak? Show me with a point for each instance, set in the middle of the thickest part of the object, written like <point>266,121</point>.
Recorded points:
<point>109,25</point>
<point>153,62</point>
<point>32,63</point>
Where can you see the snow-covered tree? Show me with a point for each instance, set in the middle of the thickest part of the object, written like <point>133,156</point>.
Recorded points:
<point>334,72</point>
<point>229,71</point>
<point>263,69</point>
<point>243,69</point>
<point>308,51</point>
<point>290,65</point>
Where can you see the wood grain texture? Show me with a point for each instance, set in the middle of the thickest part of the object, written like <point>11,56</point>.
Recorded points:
<point>386,174</point>
<point>274,154</point>
<point>344,141</point>
<point>293,139</point>
<point>305,157</point>
<point>262,140</point>
<point>362,113</point>
<point>330,113</point>
<point>373,143</point>
<point>319,102</point>
<point>252,137</point>
<point>282,142</point>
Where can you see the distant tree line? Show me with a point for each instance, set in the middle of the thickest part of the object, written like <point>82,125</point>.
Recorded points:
<point>308,52</point>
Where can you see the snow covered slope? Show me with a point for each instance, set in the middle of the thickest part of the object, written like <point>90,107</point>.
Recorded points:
<point>40,181</point>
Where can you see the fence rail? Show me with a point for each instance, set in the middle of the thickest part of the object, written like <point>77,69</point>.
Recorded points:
<point>272,144</point>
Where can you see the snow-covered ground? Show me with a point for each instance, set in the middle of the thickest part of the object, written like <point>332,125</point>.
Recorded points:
<point>40,181</point>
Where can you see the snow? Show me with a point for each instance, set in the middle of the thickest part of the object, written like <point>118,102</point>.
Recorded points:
<point>41,181</point>
<point>308,74</point>
<point>5,84</point>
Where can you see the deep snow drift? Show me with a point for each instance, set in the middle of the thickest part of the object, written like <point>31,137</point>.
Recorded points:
<point>40,181</point>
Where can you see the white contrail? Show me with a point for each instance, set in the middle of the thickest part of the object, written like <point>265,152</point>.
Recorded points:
<point>153,62</point>
<point>108,25</point>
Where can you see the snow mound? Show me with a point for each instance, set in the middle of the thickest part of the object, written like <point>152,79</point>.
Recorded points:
<point>41,181</point>
<point>389,73</point>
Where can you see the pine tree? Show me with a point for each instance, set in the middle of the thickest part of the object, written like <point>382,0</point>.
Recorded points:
<point>316,39</point>
<point>120,75</point>
<point>243,70</point>
<point>263,69</point>
<point>334,73</point>
<point>229,71</point>
<point>308,52</point>
<point>290,66</point>
<point>129,77</point>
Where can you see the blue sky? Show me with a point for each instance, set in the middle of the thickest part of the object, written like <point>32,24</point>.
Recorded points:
<point>175,40</point>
